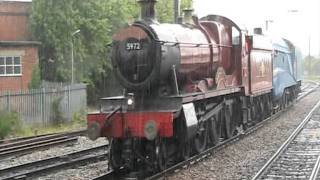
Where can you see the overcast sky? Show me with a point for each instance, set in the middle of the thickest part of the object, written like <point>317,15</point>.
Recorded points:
<point>296,20</point>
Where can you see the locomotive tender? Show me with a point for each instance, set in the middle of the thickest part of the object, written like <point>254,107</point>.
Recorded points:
<point>189,85</point>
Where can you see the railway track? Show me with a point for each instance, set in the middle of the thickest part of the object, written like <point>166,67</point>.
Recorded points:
<point>299,155</point>
<point>7,141</point>
<point>209,152</point>
<point>99,154</point>
<point>20,146</point>
<point>309,85</point>
<point>112,175</point>
<point>31,169</point>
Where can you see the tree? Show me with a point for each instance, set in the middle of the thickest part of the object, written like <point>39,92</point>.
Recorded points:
<point>165,9</point>
<point>35,78</point>
<point>54,21</point>
<point>186,4</point>
<point>312,65</point>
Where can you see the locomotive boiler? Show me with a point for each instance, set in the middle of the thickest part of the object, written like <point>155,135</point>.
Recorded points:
<point>172,58</point>
<point>186,87</point>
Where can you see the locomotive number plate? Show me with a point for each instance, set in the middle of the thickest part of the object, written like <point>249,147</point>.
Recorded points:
<point>133,46</point>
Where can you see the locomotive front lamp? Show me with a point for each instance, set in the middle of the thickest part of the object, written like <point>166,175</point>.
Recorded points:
<point>130,101</point>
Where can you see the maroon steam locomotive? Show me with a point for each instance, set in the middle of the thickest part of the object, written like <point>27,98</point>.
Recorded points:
<point>187,86</point>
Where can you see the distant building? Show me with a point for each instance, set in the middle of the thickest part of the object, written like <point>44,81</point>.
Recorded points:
<point>18,53</point>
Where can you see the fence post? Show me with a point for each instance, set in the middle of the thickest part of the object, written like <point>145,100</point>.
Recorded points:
<point>42,93</point>
<point>69,103</point>
<point>8,101</point>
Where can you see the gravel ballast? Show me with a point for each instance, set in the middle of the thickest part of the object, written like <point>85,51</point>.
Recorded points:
<point>79,173</point>
<point>241,160</point>
<point>81,144</point>
<point>244,158</point>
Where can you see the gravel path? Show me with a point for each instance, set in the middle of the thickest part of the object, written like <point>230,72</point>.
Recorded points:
<point>82,143</point>
<point>244,158</point>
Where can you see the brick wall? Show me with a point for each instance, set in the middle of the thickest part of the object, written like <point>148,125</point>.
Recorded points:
<point>29,58</point>
<point>14,27</point>
<point>14,17</point>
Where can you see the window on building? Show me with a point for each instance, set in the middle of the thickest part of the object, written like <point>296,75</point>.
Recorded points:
<point>10,66</point>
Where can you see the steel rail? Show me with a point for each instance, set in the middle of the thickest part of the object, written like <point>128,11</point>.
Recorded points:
<point>13,140</point>
<point>54,163</point>
<point>203,155</point>
<point>315,170</point>
<point>110,175</point>
<point>308,87</point>
<point>284,146</point>
<point>20,150</point>
<point>26,146</point>
<point>316,85</point>
<point>207,153</point>
<point>24,140</point>
<point>305,87</point>
<point>211,151</point>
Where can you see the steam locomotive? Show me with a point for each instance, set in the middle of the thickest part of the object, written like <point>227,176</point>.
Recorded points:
<point>188,86</point>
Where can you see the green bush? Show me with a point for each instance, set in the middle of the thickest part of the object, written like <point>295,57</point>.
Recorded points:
<point>312,66</point>
<point>9,123</point>
<point>35,79</point>
<point>56,111</point>
<point>79,118</point>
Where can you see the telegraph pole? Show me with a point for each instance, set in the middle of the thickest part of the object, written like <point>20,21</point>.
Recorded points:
<point>308,59</point>
<point>72,55</point>
<point>309,47</point>
<point>267,24</point>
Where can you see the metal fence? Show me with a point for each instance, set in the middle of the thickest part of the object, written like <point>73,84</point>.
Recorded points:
<point>46,106</point>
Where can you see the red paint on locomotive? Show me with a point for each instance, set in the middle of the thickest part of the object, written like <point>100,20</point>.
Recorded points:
<point>132,123</point>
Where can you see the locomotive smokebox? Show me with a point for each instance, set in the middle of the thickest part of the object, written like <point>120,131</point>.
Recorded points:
<point>147,9</point>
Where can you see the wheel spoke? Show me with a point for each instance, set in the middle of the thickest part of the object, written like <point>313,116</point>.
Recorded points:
<point>186,150</point>
<point>213,131</point>
<point>115,154</point>
<point>200,141</point>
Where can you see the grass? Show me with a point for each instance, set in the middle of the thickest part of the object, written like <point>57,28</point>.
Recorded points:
<point>78,122</point>
<point>9,123</point>
<point>32,131</point>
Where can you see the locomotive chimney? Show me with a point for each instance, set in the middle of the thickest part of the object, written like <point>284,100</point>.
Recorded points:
<point>147,9</point>
<point>188,16</point>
